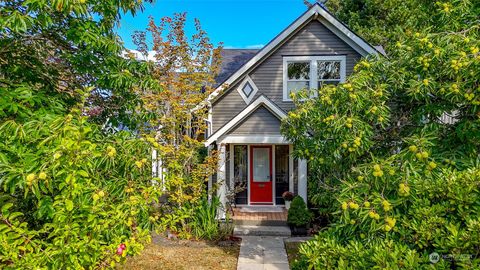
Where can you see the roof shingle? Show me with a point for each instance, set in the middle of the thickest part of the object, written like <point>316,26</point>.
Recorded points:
<point>232,60</point>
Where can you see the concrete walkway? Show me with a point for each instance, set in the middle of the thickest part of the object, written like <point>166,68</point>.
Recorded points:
<point>262,253</point>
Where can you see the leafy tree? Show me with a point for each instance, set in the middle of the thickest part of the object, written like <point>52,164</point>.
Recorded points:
<point>185,69</point>
<point>49,49</point>
<point>394,150</point>
<point>71,196</point>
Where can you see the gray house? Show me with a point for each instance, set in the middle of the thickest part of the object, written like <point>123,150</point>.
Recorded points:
<point>253,96</point>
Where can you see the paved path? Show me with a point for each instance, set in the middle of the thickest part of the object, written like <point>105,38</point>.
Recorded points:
<point>262,253</point>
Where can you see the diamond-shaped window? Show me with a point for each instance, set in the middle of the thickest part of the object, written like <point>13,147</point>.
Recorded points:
<point>247,89</point>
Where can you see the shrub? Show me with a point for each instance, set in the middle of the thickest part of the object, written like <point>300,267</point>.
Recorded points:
<point>298,214</point>
<point>432,213</point>
<point>72,194</point>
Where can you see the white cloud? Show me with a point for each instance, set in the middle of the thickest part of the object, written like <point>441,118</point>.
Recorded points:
<point>257,46</point>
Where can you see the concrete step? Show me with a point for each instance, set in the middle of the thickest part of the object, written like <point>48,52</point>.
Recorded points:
<point>252,230</point>
<point>260,222</point>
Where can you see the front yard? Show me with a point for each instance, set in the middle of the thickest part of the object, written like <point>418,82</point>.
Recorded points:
<point>167,254</point>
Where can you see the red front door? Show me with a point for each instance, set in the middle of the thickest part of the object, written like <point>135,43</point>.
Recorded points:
<point>261,191</point>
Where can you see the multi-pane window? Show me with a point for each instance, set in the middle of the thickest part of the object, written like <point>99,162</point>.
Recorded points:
<point>311,72</point>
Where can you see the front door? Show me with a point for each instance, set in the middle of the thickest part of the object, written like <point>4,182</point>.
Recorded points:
<point>261,191</point>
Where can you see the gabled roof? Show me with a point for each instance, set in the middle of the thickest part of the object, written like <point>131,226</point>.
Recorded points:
<point>260,101</point>
<point>315,12</point>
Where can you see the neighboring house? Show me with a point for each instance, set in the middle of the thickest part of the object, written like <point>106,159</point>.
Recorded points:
<point>247,107</point>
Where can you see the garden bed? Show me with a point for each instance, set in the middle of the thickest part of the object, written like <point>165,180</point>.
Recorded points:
<point>167,254</point>
<point>292,251</point>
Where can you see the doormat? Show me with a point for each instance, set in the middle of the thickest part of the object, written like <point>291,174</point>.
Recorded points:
<point>263,209</point>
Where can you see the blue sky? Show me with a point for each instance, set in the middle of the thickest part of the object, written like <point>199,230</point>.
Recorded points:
<point>236,23</point>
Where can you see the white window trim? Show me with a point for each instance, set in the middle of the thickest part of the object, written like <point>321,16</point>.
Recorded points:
<point>313,70</point>
<point>252,94</point>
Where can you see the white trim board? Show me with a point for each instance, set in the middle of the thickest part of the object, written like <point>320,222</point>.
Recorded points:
<point>315,12</point>
<point>273,177</point>
<point>262,100</point>
<point>254,139</point>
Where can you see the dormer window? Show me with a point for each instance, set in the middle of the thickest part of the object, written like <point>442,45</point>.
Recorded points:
<point>311,72</point>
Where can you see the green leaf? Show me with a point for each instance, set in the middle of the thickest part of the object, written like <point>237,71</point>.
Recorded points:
<point>6,207</point>
<point>69,205</point>
<point>82,173</point>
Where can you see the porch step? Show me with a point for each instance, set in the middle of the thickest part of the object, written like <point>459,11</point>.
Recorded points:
<point>252,230</point>
<point>260,222</point>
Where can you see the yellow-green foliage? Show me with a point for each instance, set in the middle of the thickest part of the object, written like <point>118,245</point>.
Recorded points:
<point>71,194</point>
<point>71,190</point>
<point>398,182</point>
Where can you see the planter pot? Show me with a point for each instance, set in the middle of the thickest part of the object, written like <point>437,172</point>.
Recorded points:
<point>287,204</point>
<point>298,231</point>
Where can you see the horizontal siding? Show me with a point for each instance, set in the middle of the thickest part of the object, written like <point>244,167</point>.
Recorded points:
<point>313,39</point>
<point>261,121</point>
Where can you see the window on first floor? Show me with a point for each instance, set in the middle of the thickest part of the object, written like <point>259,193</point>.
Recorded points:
<point>311,72</point>
<point>240,165</point>
<point>282,172</point>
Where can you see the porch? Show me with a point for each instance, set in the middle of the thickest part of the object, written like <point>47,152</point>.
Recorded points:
<point>256,171</point>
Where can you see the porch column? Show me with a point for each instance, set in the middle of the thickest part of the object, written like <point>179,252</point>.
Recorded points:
<point>222,179</point>
<point>291,176</point>
<point>231,181</point>
<point>302,179</point>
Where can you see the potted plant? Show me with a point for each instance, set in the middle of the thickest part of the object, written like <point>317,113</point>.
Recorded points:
<point>298,216</point>
<point>287,197</point>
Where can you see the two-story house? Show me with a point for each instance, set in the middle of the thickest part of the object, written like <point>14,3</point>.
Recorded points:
<point>253,96</point>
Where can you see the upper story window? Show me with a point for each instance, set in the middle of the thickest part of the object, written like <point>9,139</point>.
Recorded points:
<point>311,72</point>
